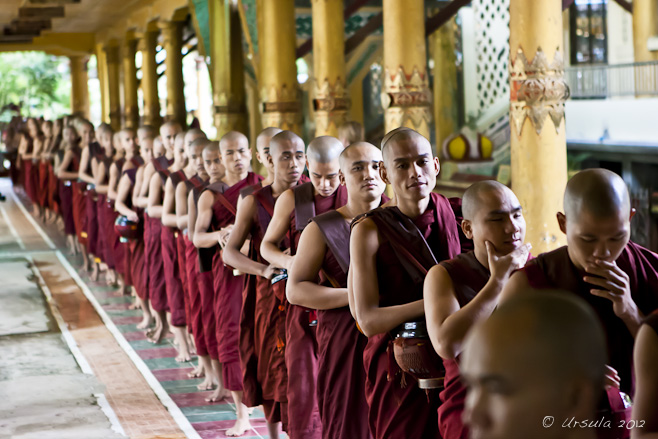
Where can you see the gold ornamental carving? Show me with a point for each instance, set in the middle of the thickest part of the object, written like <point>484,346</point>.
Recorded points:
<point>281,107</point>
<point>407,99</point>
<point>537,89</point>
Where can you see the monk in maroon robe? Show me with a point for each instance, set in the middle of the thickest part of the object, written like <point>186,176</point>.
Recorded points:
<point>391,250</point>
<point>262,321</point>
<point>615,276</point>
<point>216,216</point>
<point>88,148</point>
<point>318,280</point>
<point>67,174</point>
<point>294,209</point>
<point>535,369</point>
<point>645,405</point>
<point>493,219</point>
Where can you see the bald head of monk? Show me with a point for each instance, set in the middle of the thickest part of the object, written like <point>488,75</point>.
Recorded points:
<point>158,147</point>
<point>191,135</point>
<point>493,214</point>
<point>359,171</point>
<point>287,157</point>
<point>145,132</point>
<point>235,152</point>
<point>196,155</point>
<point>212,161</point>
<point>323,164</point>
<point>409,165</point>
<point>537,361</point>
<point>597,217</point>
<point>127,140</point>
<point>180,154</point>
<point>263,147</point>
<point>168,132</point>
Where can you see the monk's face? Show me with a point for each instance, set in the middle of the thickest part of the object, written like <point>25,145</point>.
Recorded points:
<point>411,168</point>
<point>180,154</point>
<point>86,134</point>
<point>168,134</point>
<point>213,164</point>
<point>105,139</point>
<point>263,154</point>
<point>127,140</point>
<point>158,148</point>
<point>324,176</point>
<point>591,238</point>
<point>499,220</point>
<point>142,135</point>
<point>196,159</point>
<point>360,173</point>
<point>189,138</point>
<point>288,158</point>
<point>146,149</point>
<point>236,156</point>
<point>509,392</point>
<point>69,135</point>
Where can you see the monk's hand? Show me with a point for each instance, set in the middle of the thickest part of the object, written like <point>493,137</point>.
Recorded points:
<point>502,266</point>
<point>615,286</point>
<point>271,271</point>
<point>611,378</point>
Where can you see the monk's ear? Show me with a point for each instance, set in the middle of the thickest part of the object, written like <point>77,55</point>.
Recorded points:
<point>562,222</point>
<point>633,212</point>
<point>437,166</point>
<point>341,177</point>
<point>383,174</point>
<point>270,160</point>
<point>467,228</point>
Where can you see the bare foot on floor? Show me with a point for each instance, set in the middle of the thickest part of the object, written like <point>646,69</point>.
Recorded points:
<point>197,372</point>
<point>206,384</point>
<point>239,428</point>
<point>219,394</point>
<point>146,322</point>
<point>94,273</point>
<point>156,335</point>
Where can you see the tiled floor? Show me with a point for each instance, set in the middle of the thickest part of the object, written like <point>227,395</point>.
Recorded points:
<point>140,412</point>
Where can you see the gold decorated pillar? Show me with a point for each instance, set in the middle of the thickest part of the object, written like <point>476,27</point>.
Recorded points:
<point>227,69</point>
<point>113,86</point>
<point>537,95</point>
<point>131,108</point>
<point>172,32</point>
<point>645,26</point>
<point>445,82</point>
<point>79,86</point>
<point>331,100</point>
<point>281,105</point>
<point>101,69</point>
<point>406,97</point>
<point>150,80</point>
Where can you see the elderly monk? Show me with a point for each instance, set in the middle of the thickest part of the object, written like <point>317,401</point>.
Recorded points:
<point>464,290</point>
<point>323,253</point>
<point>293,211</point>
<point>391,250</point>
<point>645,408</point>
<point>616,277</point>
<point>534,367</point>
<point>213,167</point>
<point>216,216</point>
<point>262,326</point>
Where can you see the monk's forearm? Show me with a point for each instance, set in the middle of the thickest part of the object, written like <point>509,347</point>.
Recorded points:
<point>121,207</point>
<point>64,175</point>
<point>101,189</point>
<point>154,211</point>
<point>182,221</point>
<point>141,202</point>
<point>86,178</point>
<point>314,296</point>
<point>241,262</point>
<point>169,220</point>
<point>272,254</point>
<point>378,320</point>
<point>206,239</point>
<point>450,337</point>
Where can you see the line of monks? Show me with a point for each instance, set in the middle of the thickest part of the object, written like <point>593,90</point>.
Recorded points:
<point>309,292</point>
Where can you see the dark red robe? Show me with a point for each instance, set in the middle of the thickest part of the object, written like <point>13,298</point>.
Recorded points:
<point>42,188</point>
<point>228,288</point>
<point>53,189</point>
<point>468,278</point>
<point>95,153</point>
<point>136,272</point>
<point>174,285</point>
<point>66,191</point>
<point>341,376</point>
<point>301,352</point>
<point>397,410</point>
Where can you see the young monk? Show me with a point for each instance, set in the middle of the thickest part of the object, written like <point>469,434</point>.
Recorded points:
<point>615,276</point>
<point>391,250</point>
<point>323,253</point>
<point>88,147</point>
<point>174,305</point>
<point>536,364</point>
<point>645,358</point>
<point>294,209</point>
<point>462,291</point>
<point>215,218</point>
<point>67,174</point>
<point>215,170</point>
<point>262,328</point>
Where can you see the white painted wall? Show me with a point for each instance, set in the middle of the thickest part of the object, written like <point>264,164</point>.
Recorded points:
<point>620,35</point>
<point>627,120</point>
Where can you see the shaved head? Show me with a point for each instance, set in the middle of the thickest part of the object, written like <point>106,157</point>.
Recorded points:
<point>192,134</point>
<point>233,137</point>
<point>598,191</point>
<point>199,143</point>
<point>400,136</point>
<point>281,138</point>
<point>472,199</point>
<point>390,134</point>
<point>355,151</point>
<point>324,149</point>
<point>263,139</point>
<point>541,353</point>
<point>211,147</point>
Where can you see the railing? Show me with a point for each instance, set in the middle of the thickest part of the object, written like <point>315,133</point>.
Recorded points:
<point>605,81</point>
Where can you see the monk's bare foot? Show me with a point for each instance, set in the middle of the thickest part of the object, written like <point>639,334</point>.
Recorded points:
<point>94,273</point>
<point>146,322</point>
<point>219,394</point>
<point>156,336</point>
<point>197,372</point>
<point>206,384</point>
<point>239,428</point>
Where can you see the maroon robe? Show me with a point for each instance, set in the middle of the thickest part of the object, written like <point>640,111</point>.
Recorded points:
<point>42,188</point>
<point>80,207</point>
<point>106,216</point>
<point>341,376</point>
<point>228,288</point>
<point>301,352</point>
<point>136,272</point>
<point>468,278</point>
<point>173,283</point>
<point>66,190</point>
<point>397,410</point>
<point>95,152</point>
<point>27,170</point>
<point>53,189</point>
